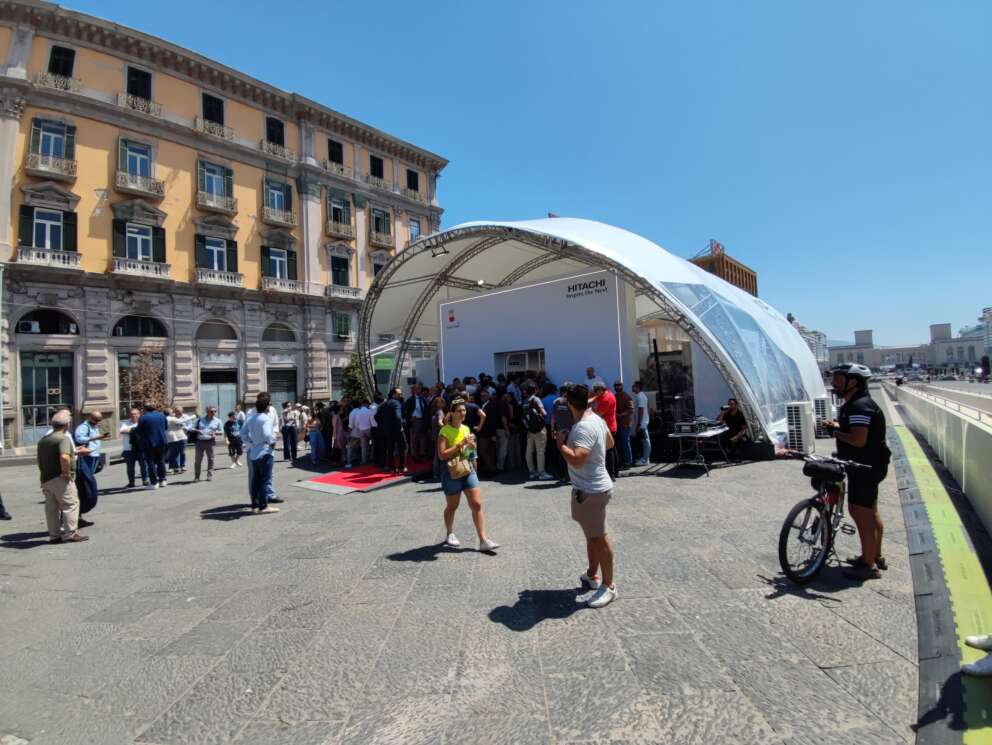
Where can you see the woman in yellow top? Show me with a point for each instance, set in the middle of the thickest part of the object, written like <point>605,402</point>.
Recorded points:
<point>456,449</point>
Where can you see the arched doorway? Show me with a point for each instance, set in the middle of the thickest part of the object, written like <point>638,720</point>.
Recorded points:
<point>217,347</point>
<point>281,370</point>
<point>47,371</point>
<point>140,346</point>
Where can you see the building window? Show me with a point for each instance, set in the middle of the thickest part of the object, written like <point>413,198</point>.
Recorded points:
<point>214,178</point>
<point>275,131</point>
<point>139,374</point>
<point>48,229</point>
<point>971,354</point>
<point>337,380</point>
<point>137,158</point>
<point>414,228</point>
<point>277,195</point>
<point>61,61</point>
<point>213,109</point>
<point>380,221</point>
<point>342,325</point>
<point>45,321</point>
<point>140,326</point>
<point>377,266</point>
<point>278,332</point>
<point>340,211</point>
<point>52,142</point>
<point>412,180</point>
<point>139,242</point>
<point>278,263</point>
<point>335,151</point>
<point>340,274</point>
<point>139,83</point>
<point>861,358</point>
<point>376,166</point>
<point>215,250</point>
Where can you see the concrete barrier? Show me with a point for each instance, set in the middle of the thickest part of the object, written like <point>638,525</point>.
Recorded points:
<point>962,438</point>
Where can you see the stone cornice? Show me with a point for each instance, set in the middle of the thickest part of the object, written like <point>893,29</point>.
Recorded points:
<point>84,30</point>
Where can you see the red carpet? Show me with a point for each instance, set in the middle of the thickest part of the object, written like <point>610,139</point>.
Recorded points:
<point>365,477</point>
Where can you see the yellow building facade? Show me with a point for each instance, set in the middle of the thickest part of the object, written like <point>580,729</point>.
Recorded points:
<point>165,209</point>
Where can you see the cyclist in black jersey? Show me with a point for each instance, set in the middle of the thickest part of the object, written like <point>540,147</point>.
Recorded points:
<point>860,435</point>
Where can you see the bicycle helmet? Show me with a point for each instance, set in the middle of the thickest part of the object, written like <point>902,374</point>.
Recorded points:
<point>853,370</point>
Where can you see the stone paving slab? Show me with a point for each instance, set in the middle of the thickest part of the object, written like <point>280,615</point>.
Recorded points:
<point>342,620</point>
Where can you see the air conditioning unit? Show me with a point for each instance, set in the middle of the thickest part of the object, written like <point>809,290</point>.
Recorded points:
<point>28,327</point>
<point>822,412</point>
<point>801,433</point>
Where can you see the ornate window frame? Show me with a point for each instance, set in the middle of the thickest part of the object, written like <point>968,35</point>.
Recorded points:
<point>49,195</point>
<point>138,211</point>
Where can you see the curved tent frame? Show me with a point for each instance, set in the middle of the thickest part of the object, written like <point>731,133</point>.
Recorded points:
<point>482,256</point>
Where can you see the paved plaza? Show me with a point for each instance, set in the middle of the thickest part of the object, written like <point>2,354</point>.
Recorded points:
<point>187,620</point>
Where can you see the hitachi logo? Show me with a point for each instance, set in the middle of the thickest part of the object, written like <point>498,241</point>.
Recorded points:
<point>580,286</point>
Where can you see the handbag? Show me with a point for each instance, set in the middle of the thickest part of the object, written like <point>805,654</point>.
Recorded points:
<point>459,468</point>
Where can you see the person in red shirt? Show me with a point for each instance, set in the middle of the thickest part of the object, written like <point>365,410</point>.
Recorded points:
<point>606,406</point>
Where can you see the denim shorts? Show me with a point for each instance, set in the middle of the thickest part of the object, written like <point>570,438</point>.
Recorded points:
<point>457,486</point>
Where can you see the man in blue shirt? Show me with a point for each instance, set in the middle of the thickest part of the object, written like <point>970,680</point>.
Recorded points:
<point>259,435</point>
<point>88,435</point>
<point>207,429</point>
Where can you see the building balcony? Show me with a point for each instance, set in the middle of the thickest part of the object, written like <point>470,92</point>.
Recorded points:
<point>344,293</point>
<point>278,284</point>
<point>131,183</point>
<point>338,169</point>
<point>137,103</point>
<point>137,268</point>
<point>48,257</point>
<point>414,194</point>
<point>207,127</point>
<point>340,229</point>
<point>206,200</point>
<point>277,151</point>
<point>380,240</point>
<point>377,183</point>
<point>217,277</point>
<point>49,166</point>
<point>274,216</point>
<point>58,82</point>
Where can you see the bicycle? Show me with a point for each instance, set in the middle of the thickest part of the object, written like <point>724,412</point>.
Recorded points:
<point>806,540</point>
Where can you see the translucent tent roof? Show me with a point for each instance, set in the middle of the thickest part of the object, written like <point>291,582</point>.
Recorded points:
<point>761,355</point>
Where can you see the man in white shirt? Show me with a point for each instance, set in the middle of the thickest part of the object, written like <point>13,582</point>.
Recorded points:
<point>360,425</point>
<point>259,436</point>
<point>640,423</point>
<point>275,421</point>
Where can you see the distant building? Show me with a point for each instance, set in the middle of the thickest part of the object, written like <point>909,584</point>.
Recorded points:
<point>986,323</point>
<point>944,351</point>
<point>715,260</point>
<point>816,340</point>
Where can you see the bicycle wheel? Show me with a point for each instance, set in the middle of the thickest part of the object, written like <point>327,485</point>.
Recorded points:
<point>804,543</point>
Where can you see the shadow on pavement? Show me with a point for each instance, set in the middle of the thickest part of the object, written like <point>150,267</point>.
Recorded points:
<point>24,540</point>
<point>947,707</point>
<point>535,606</point>
<point>831,580</point>
<point>424,553</point>
<point>227,512</point>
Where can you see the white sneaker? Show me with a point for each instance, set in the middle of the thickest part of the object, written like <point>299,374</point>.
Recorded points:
<point>982,641</point>
<point>488,545</point>
<point>980,669</point>
<point>163,483</point>
<point>150,487</point>
<point>233,465</point>
<point>590,582</point>
<point>268,510</point>
<point>604,596</point>
<point>452,540</point>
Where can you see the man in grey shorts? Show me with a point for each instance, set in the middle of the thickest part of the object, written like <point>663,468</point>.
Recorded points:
<point>584,451</point>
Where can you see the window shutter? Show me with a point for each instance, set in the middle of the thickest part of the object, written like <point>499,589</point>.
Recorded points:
<point>385,223</point>
<point>228,182</point>
<point>35,136</point>
<point>291,265</point>
<point>70,143</point>
<point>122,155</point>
<point>347,212</point>
<point>69,231</point>
<point>120,242</point>
<point>266,269</point>
<point>200,251</point>
<point>158,245</point>
<point>25,228</point>
<point>232,256</point>
<point>287,192</point>
<point>201,176</point>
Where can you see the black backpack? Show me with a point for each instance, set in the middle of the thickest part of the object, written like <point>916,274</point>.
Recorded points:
<point>534,420</point>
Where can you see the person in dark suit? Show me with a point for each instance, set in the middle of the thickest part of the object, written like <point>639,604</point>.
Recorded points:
<point>416,418</point>
<point>151,430</point>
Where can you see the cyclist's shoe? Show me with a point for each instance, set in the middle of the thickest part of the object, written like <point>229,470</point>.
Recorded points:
<point>983,641</point>
<point>862,573</point>
<point>856,561</point>
<point>881,563</point>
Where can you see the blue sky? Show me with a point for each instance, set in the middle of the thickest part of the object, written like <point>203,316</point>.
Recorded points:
<point>840,149</point>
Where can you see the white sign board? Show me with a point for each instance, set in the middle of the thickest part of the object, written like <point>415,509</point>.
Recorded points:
<point>578,321</point>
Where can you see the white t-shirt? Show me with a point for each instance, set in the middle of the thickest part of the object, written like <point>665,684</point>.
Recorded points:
<point>591,433</point>
<point>641,404</point>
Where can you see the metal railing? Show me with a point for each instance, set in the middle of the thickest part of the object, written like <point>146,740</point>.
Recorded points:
<point>141,184</point>
<point>48,257</point>
<point>58,82</point>
<point>414,194</point>
<point>278,151</point>
<point>139,268</point>
<point>337,168</point>
<point>377,183</point>
<point>278,284</point>
<point>279,217</point>
<point>340,291</point>
<point>340,229</point>
<point>213,129</point>
<point>380,239</point>
<point>969,411</point>
<point>210,201</point>
<point>49,165</point>
<point>218,277</point>
<point>136,103</point>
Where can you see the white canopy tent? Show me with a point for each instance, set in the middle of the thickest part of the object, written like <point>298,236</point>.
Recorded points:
<point>762,357</point>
